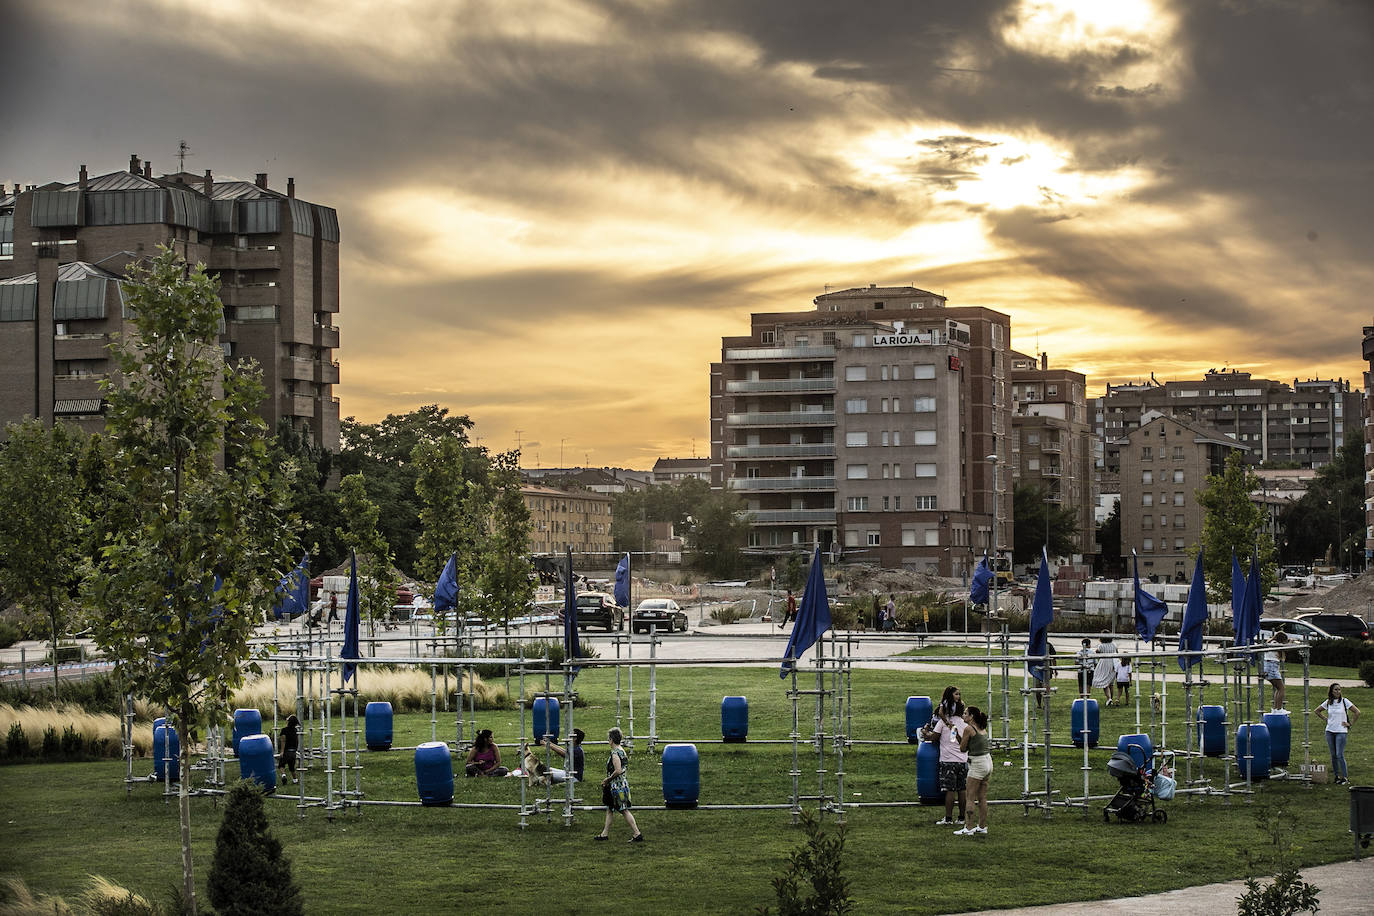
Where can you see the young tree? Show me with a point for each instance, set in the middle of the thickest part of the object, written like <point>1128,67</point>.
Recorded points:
<point>1033,514</point>
<point>1233,523</point>
<point>506,570</point>
<point>41,521</point>
<point>197,532</point>
<point>453,488</point>
<point>250,874</point>
<point>376,574</point>
<point>1109,543</point>
<point>719,531</point>
<point>317,507</point>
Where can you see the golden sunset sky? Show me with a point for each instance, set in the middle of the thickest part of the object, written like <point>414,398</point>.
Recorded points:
<point>553,211</point>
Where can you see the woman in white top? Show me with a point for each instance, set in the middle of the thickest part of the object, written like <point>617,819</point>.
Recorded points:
<point>1104,676</point>
<point>1339,714</point>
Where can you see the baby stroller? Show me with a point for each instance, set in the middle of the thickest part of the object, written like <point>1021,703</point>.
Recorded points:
<point>1141,783</point>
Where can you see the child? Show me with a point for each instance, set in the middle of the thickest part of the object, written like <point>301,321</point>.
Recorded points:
<point>290,741</point>
<point>1123,679</point>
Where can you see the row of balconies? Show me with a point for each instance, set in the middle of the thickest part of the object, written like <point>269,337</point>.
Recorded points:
<point>780,484</point>
<point>780,385</point>
<point>743,354</point>
<point>305,369</point>
<point>782,418</point>
<point>782,450</point>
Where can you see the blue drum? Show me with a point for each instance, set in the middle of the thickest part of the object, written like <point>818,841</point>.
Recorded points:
<point>434,774</point>
<point>1280,737</point>
<point>545,716</point>
<point>681,776</point>
<point>919,711</point>
<point>166,752</point>
<point>377,721</point>
<point>1252,751</point>
<point>246,722</point>
<point>734,719</point>
<point>1211,726</point>
<point>928,774</point>
<point>1142,746</point>
<point>1086,721</point>
<point>258,762</point>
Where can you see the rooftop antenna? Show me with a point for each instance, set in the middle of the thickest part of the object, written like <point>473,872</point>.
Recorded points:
<point>183,150</point>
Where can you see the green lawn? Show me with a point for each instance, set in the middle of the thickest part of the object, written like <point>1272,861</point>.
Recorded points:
<point>64,821</point>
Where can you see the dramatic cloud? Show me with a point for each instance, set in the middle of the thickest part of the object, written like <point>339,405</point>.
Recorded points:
<point>553,211</point>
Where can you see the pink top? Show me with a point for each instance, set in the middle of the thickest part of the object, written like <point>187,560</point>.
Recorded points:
<point>948,736</point>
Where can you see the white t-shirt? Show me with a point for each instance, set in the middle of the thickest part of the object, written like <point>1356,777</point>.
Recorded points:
<point>948,736</point>
<point>1336,720</point>
<point>1123,672</point>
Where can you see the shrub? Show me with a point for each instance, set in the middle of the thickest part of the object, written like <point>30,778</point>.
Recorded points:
<point>1367,673</point>
<point>51,743</point>
<point>816,866</point>
<point>1341,653</point>
<point>249,873</point>
<point>73,744</point>
<point>730,613</point>
<point>9,634</point>
<point>16,742</point>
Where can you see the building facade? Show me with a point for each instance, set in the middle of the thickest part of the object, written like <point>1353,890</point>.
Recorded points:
<point>1163,465</point>
<point>867,426</point>
<point>65,246</point>
<point>563,519</point>
<point>675,470</point>
<point>1052,440</point>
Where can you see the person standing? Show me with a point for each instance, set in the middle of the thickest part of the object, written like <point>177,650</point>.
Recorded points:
<point>333,606</point>
<point>947,731</point>
<point>1104,675</point>
<point>890,613</point>
<point>1272,672</point>
<point>791,607</point>
<point>290,743</point>
<point>1123,678</point>
<point>877,614</point>
<point>1085,667</point>
<point>975,743</point>
<point>1339,714</point>
<point>615,790</point>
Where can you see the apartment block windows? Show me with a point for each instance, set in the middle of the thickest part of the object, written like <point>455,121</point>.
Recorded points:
<point>851,538</point>
<point>858,340</point>
<point>857,504</point>
<point>858,440</point>
<point>1147,545</point>
<point>1147,454</point>
<point>856,472</point>
<point>921,370</point>
<point>884,373</point>
<point>875,539</point>
<point>886,474</point>
<point>1178,453</point>
<point>1147,499</point>
<point>886,438</point>
<point>887,504</point>
<point>884,407</point>
<point>926,470</point>
<point>897,438</point>
<point>856,373</point>
<point>1178,499</point>
<point>1147,523</point>
<point>1178,477</point>
<point>1147,477</point>
<point>828,338</point>
<point>908,537</point>
<point>923,437</point>
<point>923,405</point>
<point>925,502</point>
<point>1178,522</point>
<point>856,405</point>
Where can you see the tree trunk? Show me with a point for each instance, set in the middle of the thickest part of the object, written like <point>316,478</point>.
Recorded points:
<point>188,888</point>
<point>52,618</point>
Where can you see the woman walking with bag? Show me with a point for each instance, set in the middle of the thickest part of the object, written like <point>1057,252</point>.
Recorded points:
<point>615,789</point>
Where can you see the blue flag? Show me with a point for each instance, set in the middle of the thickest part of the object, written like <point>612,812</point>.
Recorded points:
<point>1042,613</point>
<point>1194,616</point>
<point>982,576</point>
<point>813,617</point>
<point>622,582</point>
<point>570,644</point>
<point>1237,593</point>
<point>1149,610</point>
<point>293,591</point>
<point>1250,607</point>
<point>351,617</point>
<point>446,589</point>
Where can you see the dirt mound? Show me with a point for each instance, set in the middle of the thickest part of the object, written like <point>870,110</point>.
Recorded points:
<point>866,579</point>
<point>1353,597</point>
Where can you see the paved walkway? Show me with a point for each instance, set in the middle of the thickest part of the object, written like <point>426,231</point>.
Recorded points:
<point>1343,888</point>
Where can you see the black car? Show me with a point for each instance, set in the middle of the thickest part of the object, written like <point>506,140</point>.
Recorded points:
<point>1341,626</point>
<point>661,613</point>
<point>597,609</point>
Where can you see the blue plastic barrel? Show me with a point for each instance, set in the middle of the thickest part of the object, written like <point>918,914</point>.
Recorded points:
<point>246,722</point>
<point>1280,737</point>
<point>434,773</point>
<point>377,726</point>
<point>681,776</point>
<point>1211,724</point>
<point>166,745</point>
<point>1145,746</point>
<point>734,719</point>
<point>1252,751</point>
<point>928,774</point>
<point>545,713</point>
<point>258,762</point>
<point>1085,708</point>
<point>919,711</point>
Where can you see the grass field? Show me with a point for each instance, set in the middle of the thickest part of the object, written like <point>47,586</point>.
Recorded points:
<point>65,821</point>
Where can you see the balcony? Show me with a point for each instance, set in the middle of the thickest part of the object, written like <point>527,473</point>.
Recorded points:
<point>326,336</point>
<point>779,353</point>
<point>780,385</point>
<point>1052,448</point>
<point>80,346</point>
<point>262,258</point>
<point>782,418</point>
<point>327,373</point>
<point>782,450</point>
<point>793,484</point>
<point>792,516</point>
<point>298,405</point>
<point>299,368</point>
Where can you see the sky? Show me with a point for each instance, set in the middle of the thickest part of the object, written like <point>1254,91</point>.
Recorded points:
<point>552,212</point>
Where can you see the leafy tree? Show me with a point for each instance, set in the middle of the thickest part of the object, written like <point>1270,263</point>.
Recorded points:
<point>1233,523</point>
<point>1109,543</point>
<point>719,531</point>
<point>197,530</point>
<point>454,497</point>
<point>672,503</point>
<point>376,573</point>
<point>250,874</point>
<point>317,507</point>
<point>814,883</point>
<point>506,570</point>
<point>1031,508</point>
<point>41,521</point>
<point>1329,518</point>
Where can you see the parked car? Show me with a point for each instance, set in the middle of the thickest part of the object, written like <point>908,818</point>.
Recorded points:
<point>597,609</point>
<point>1341,626</point>
<point>1297,630</point>
<point>662,613</point>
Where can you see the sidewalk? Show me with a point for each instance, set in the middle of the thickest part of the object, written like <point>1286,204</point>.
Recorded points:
<point>1343,888</point>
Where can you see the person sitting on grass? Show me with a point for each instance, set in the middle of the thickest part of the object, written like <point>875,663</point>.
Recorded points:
<point>484,759</point>
<point>558,775</point>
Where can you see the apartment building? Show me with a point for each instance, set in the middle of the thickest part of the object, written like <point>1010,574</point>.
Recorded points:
<point>1304,423</point>
<point>1163,464</point>
<point>64,247</point>
<point>1052,439</point>
<point>866,425</point>
<point>675,470</point>
<point>563,519</point>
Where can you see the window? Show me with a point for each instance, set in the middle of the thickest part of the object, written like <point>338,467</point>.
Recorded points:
<point>856,373</point>
<point>886,474</point>
<point>887,501</point>
<point>856,472</point>
<point>897,472</point>
<point>857,504</point>
<point>1178,543</point>
<point>896,438</point>
<point>925,470</point>
<point>875,539</point>
<point>828,338</point>
<point>886,437</point>
<point>1051,391</point>
<point>932,537</point>
<point>1147,523</point>
<point>1178,477</point>
<point>884,373</point>
<point>908,537</point>
<point>1147,454</point>
<point>801,340</point>
<point>923,370</point>
<point>1178,499</point>
<point>1147,477</point>
<point>923,437</point>
<point>897,500</point>
<point>1148,545</point>
<point>768,337</point>
<point>857,440</point>
<point>923,405</point>
<point>856,405</point>
<point>1178,521</point>
<point>884,403</point>
<point>925,502</point>
<point>896,373</point>
<point>1147,499</point>
<point>1178,453</point>
<point>1032,464</point>
<point>851,539</point>
<point>858,340</point>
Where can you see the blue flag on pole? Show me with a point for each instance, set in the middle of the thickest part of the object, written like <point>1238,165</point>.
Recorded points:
<point>1252,604</point>
<point>352,615</point>
<point>1042,613</point>
<point>1194,616</point>
<point>1237,594</point>
<point>622,582</point>
<point>1149,610</point>
<point>813,617</point>
<point>293,591</point>
<point>982,577</point>
<point>570,644</point>
<point>446,589</point>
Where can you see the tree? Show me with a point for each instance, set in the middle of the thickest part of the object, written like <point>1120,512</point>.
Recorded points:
<point>719,531</point>
<point>1232,523</point>
<point>673,503</point>
<point>249,874</point>
<point>196,530</point>
<point>451,481</point>
<point>42,527</point>
<point>1328,521</point>
<point>376,572</point>
<point>814,883</point>
<point>1109,542</point>
<point>1031,508</point>
<point>506,570</point>
<point>317,508</point>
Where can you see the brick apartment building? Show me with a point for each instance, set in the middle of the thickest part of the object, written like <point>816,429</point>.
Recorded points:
<point>865,427</point>
<point>562,519</point>
<point>65,246</point>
